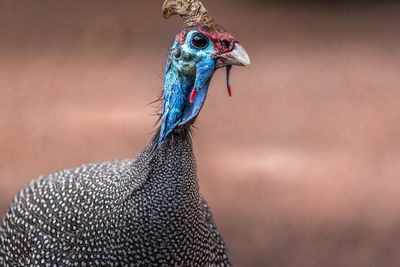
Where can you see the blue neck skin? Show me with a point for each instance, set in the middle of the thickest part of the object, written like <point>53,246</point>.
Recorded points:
<point>187,69</point>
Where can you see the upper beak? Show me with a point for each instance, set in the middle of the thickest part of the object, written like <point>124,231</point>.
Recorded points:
<point>238,56</point>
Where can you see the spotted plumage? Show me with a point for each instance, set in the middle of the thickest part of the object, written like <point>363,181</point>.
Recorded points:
<point>146,211</point>
<point>130,212</point>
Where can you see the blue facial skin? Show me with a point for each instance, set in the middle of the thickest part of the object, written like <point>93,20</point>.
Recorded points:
<point>188,67</point>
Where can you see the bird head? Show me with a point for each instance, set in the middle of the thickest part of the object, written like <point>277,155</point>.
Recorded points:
<point>199,49</point>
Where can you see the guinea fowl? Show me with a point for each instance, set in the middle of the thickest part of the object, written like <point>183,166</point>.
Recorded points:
<point>136,212</point>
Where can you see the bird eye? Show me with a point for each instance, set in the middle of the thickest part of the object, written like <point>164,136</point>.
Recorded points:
<point>199,41</point>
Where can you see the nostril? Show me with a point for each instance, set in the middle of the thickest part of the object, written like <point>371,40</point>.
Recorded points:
<point>226,43</point>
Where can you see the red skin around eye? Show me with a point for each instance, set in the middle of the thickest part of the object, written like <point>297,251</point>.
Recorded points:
<point>217,36</point>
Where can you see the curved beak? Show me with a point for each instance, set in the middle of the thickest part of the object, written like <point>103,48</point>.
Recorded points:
<point>238,56</point>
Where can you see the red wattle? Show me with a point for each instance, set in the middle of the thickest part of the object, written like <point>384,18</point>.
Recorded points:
<point>194,92</point>
<point>229,91</point>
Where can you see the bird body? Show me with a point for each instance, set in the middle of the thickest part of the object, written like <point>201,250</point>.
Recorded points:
<point>136,212</point>
<point>129,212</point>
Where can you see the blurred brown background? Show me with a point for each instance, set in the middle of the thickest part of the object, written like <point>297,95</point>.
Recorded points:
<point>301,166</point>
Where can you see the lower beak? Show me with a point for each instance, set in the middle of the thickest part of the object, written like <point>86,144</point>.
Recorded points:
<point>238,56</point>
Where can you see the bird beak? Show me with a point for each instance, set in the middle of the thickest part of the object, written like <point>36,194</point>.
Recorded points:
<point>238,56</point>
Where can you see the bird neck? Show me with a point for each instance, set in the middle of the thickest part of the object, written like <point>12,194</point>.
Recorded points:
<point>185,91</point>
<point>177,88</point>
<point>174,159</point>
<point>178,142</point>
